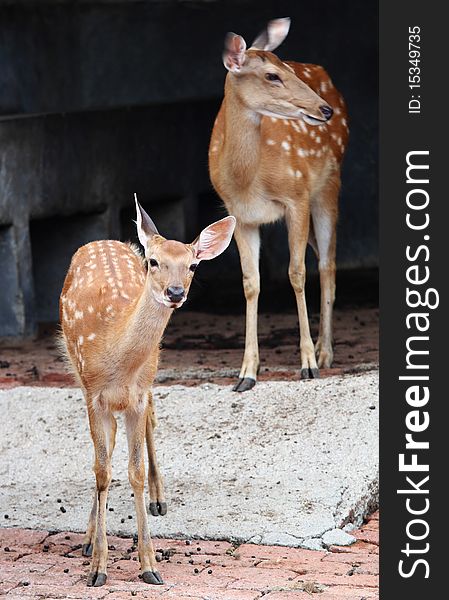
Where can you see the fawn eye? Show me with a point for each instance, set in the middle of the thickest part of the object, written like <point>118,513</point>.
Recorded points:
<point>273,77</point>
<point>193,267</point>
<point>153,262</point>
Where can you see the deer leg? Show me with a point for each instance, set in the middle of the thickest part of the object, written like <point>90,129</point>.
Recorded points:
<point>102,426</point>
<point>298,220</point>
<point>158,505</point>
<point>136,422</point>
<point>248,242</point>
<point>324,216</point>
<point>88,538</point>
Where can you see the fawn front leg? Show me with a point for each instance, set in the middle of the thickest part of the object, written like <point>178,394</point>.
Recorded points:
<point>298,219</point>
<point>102,428</point>
<point>136,423</point>
<point>158,505</point>
<point>248,242</point>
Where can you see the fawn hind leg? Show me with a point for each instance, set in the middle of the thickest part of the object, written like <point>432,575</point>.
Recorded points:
<point>87,547</point>
<point>136,423</point>
<point>102,427</point>
<point>158,505</point>
<point>324,211</point>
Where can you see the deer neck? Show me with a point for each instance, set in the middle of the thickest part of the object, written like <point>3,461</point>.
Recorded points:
<point>142,330</point>
<point>241,143</point>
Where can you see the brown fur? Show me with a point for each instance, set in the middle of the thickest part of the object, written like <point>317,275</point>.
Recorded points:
<point>113,313</point>
<point>270,167</point>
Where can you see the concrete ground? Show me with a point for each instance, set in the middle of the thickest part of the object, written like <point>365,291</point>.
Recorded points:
<point>281,465</point>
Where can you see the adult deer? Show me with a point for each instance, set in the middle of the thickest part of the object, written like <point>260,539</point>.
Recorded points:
<point>113,314</point>
<point>275,152</point>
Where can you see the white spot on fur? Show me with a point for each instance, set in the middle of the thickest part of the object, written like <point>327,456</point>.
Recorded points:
<point>90,308</point>
<point>285,145</point>
<point>80,340</point>
<point>91,336</point>
<point>271,142</point>
<point>79,314</point>
<point>298,174</point>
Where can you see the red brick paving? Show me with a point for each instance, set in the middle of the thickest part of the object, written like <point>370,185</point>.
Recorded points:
<point>39,564</point>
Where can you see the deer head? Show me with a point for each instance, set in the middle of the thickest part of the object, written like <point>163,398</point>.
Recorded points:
<point>171,264</point>
<point>265,84</point>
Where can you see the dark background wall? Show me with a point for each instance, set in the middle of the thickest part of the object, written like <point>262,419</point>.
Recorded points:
<point>101,99</point>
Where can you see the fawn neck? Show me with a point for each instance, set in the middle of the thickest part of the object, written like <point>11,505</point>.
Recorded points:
<point>142,328</point>
<point>241,144</point>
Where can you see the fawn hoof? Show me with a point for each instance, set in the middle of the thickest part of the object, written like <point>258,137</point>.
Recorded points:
<point>96,579</point>
<point>158,508</point>
<point>310,373</point>
<point>152,577</point>
<point>244,384</point>
<point>87,549</point>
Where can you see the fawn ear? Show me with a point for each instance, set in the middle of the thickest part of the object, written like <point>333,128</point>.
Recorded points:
<point>234,52</point>
<point>273,35</point>
<point>145,226</point>
<point>214,240</point>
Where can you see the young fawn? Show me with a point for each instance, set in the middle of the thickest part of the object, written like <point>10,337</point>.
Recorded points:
<point>275,152</point>
<point>113,314</point>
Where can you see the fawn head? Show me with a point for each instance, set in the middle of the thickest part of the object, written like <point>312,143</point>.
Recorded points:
<point>265,84</point>
<point>171,264</point>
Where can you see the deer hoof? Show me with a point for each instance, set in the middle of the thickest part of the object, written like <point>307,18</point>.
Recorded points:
<point>310,373</point>
<point>158,508</point>
<point>244,384</point>
<point>152,577</point>
<point>96,579</point>
<point>87,549</point>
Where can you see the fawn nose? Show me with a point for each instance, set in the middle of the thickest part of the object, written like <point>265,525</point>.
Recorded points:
<point>326,111</point>
<point>175,293</point>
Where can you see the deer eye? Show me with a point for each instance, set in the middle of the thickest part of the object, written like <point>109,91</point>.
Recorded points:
<point>153,262</point>
<point>273,77</point>
<point>193,267</point>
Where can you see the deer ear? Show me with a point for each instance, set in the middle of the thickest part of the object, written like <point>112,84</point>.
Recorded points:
<point>273,36</point>
<point>214,240</point>
<point>145,226</point>
<point>234,52</point>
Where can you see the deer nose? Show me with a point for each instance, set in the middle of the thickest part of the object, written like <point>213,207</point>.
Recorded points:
<point>326,111</point>
<point>175,293</point>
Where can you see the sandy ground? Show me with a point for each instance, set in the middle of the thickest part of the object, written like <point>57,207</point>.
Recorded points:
<point>199,347</point>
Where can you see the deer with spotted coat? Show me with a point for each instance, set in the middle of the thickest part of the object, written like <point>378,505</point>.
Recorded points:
<point>275,152</point>
<point>113,313</point>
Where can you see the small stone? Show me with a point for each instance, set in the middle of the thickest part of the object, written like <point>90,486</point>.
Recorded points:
<point>6,516</point>
<point>122,520</point>
<point>188,542</point>
<point>210,571</point>
<point>62,509</point>
<point>195,570</point>
<point>6,549</point>
<point>312,544</point>
<point>66,570</point>
<point>337,537</point>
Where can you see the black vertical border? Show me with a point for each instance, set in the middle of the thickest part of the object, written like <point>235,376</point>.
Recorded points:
<point>400,133</point>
